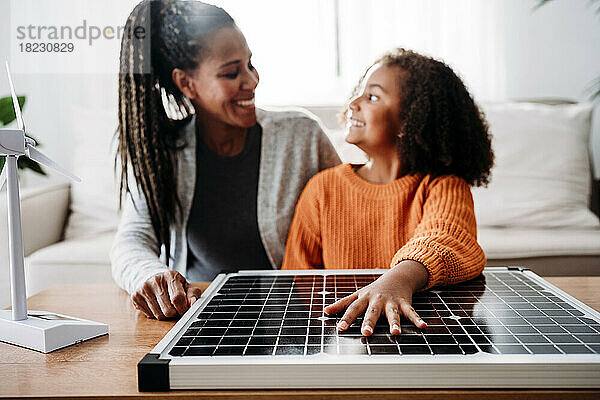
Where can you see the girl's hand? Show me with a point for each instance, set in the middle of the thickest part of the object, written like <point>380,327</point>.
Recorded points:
<point>391,294</point>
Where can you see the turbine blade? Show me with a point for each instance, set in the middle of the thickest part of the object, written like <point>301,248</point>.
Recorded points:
<point>3,176</point>
<point>41,158</point>
<point>15,101</point>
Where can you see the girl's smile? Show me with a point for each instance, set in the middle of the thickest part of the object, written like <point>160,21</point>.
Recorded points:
<point>356,123</point>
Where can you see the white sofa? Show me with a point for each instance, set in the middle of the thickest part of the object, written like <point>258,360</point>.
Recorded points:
<point>68,229</point>
<point>541,209</point>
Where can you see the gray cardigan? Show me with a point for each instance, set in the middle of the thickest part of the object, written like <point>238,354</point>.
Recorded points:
<point>293,149</point>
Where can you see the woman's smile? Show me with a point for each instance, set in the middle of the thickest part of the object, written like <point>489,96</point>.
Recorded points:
<point>224,82</point>
<point>247,104</point>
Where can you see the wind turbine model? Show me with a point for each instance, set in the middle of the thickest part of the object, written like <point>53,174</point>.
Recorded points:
<point>38,330</point>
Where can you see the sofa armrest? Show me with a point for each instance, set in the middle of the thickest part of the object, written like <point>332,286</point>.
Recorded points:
<point>43,216</point>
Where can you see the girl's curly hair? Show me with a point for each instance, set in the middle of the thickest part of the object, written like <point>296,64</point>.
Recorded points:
<point>444,131</point>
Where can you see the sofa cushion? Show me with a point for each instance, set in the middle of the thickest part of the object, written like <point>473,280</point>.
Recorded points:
<point>94,200</point>
<point>504,243</point>
<point>541,177</point>
<point>91,249</point>
<point>83,260</point>
<point>348,153</point>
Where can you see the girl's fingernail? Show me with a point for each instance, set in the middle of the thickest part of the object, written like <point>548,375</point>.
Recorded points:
<point>422,322</point>
<point>343,325</point>
<point>192,300</point>
<point>367,329</point>
<point>395,327</point>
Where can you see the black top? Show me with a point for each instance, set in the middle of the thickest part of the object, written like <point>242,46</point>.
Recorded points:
<point>222,231</point>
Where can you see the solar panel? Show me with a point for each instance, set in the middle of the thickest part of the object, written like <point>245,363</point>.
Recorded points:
<point>267,329</point>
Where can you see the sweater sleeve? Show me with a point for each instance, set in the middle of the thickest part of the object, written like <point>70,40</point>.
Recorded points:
<point>135,253</point>
<point>445,241</point>
<point>304,249</point>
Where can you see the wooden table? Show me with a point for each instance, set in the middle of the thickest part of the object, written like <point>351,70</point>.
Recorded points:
<point>105,367</point>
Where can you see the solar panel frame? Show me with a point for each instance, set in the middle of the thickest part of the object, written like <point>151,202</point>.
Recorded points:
<point>379,369</point>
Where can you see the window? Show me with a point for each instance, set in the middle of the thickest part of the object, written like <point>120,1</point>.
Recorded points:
<point>313,52</point>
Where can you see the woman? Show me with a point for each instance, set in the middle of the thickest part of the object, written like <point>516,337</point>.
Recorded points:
<point>216,181</point>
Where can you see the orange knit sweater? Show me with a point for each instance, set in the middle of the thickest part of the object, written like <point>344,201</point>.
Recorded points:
<point>343,221</point>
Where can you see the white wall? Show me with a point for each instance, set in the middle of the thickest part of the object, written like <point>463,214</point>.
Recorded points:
<point>50,99</point>
<point>553,52</point>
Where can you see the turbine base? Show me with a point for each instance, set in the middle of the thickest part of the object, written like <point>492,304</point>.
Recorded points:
<point>46,331</point>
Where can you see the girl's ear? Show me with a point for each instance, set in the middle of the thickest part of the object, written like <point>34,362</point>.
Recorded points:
<point>184,82</point>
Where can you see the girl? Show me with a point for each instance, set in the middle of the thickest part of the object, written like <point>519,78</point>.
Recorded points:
<point>409,208</point>
<point>212,184</point>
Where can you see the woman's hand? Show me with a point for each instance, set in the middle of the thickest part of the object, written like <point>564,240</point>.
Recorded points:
<point>391,294</point>
<point>165,295</point>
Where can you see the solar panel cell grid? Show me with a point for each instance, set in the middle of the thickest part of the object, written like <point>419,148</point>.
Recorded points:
<point>497,313</point>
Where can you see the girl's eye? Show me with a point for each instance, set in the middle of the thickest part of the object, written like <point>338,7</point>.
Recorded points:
<point>233,75</point>
<point>372,97</point>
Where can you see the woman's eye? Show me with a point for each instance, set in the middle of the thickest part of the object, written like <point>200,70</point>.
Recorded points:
<point>234,75</point>
<point>372,97</point>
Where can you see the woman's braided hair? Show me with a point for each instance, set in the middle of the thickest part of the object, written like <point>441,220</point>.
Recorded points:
<point>152,110</point>
<point>443,130</point>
